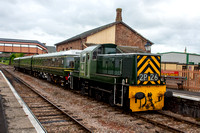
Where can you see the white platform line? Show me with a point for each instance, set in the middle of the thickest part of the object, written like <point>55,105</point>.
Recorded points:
<point>29,113</point>
<point>185,96</point>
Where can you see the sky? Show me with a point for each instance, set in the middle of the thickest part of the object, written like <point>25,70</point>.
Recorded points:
<point>172,25</point>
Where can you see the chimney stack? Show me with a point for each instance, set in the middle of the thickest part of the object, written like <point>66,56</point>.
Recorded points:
<point>119,14</point>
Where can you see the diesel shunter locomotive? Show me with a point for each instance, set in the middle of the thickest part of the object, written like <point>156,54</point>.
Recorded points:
<point>128,80</point>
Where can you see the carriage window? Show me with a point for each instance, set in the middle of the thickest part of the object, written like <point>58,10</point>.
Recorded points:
<point>83,58</point>
<point>60,61</point>
<point>70,62</point>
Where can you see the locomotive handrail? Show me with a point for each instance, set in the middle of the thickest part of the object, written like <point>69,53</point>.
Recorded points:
<point>107,75</point>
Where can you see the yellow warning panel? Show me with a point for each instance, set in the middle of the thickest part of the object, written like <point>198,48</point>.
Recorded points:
<point>148,70</point>
<point>143,98</point>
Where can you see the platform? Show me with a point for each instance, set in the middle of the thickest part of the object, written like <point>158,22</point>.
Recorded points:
<point>15,117</point>
<point>195,96</point>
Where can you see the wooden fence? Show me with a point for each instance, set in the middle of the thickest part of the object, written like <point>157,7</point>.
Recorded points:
<point>192,81</point>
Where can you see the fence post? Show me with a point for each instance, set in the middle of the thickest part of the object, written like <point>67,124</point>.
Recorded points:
<point>188,79</point>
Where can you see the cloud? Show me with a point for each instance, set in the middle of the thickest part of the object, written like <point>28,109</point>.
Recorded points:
<point>171,25</point>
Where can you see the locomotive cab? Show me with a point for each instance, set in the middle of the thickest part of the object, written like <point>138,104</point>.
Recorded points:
<point>88,58</point>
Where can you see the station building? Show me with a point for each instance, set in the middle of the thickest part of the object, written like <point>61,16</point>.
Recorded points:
<point>180,61</point>
<point>117,33</point>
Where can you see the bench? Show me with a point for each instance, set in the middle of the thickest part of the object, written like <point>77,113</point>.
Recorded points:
<point>180,80</point>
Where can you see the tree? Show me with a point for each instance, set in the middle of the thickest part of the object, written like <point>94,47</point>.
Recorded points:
<point>15,55</point>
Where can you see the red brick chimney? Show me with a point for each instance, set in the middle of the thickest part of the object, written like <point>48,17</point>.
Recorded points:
<point>119,14</point>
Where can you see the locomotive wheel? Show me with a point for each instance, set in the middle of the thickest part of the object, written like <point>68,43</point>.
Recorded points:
<point>111,100</point>
<point>98,96</point>
<point>83,90</point>
<point>91,92</point>
<point>67,86</point>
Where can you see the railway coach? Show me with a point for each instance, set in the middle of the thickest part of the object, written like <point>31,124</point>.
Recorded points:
<point>131,80</point>
<point>23,63</point>
<point>55,67</point>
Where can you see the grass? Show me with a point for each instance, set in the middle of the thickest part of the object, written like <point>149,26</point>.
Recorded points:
<point>6,62</point>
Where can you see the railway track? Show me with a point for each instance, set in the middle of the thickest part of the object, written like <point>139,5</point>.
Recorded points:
<point>51,116</point>
<point>169,122</point>
<point>156,118</point>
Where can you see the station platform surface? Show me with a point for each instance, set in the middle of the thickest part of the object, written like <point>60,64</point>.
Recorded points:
<point>185,94</point>
<point>15,117</point>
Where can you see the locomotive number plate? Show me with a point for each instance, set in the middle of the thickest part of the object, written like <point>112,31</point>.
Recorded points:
<point>145,77</point>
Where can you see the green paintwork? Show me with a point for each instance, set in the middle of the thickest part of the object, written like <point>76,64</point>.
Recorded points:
<point>93,67</point>
<point>187,58</point>
<point>25,63</point>
<point>58,63</point>
<point>105,63</point>
<point>88,58</point>
<point>54,65</point>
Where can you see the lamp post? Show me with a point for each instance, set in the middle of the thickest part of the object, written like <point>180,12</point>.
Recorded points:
<point>148,47</point>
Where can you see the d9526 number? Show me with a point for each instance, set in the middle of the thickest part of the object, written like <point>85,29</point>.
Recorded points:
<point>144,77</point>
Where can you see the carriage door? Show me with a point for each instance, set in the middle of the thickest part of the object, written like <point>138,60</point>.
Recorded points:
<point>86,65</point>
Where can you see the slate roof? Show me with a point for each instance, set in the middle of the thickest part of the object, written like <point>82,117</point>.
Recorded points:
<point>93,31</point>
<point>20,40</point>
<point>51,49</point>
<point>131,49</point>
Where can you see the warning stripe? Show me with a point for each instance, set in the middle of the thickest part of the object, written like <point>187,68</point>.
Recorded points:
<point>141,60</point>
<point>148,65</point>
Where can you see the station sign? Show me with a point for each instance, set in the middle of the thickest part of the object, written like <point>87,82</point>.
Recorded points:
<point>169,73</point>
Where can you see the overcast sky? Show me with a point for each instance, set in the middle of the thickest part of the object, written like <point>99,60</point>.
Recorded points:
<point>171,25</point>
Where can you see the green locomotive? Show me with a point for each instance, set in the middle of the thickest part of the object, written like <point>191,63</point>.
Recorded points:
<point>128,80</point>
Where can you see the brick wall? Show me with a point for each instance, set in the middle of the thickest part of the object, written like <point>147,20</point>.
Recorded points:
<point>71,45</point>
<point>126,37</point>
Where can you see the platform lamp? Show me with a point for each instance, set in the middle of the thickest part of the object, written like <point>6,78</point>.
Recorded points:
<point>148,47</point>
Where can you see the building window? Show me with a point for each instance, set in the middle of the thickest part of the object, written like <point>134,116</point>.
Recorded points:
<point>184,67</point>
<point>63,49</point>
<point>70,47</point>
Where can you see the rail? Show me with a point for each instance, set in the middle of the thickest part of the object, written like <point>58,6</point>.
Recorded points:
<point>160,123</point>
<point>58,108</point>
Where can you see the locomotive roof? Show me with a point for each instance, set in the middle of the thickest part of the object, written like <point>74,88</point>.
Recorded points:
<point>62,53</point>
<point>90,48</point>
<point>25,57</point>
<point>120,54</point>
<point>93,47</point>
